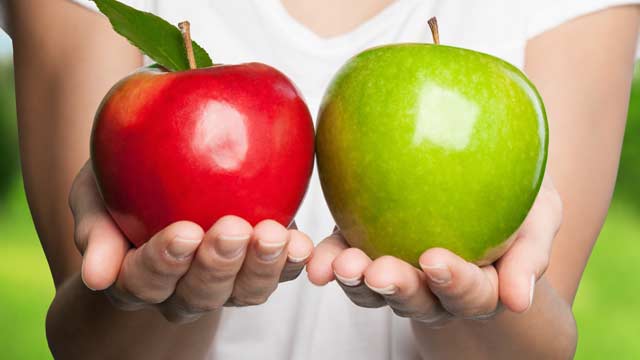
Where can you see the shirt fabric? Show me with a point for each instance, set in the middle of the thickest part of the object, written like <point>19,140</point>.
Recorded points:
<point>302,321</point>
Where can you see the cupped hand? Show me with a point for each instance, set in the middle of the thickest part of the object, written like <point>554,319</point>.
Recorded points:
<point>446,286</point>
<point>183,271</point>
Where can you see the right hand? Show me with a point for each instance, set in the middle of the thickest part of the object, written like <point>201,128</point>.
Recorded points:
<point>183,271</point>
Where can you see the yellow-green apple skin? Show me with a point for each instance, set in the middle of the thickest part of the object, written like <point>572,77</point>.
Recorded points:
<point>423,146</point>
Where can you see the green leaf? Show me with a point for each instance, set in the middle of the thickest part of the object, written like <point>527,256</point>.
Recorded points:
<point>154,36</point>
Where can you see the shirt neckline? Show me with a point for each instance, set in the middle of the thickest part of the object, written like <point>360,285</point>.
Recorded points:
<point>307,39</point>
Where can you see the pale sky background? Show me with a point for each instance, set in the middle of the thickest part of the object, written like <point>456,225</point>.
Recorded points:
<point>5,44</point>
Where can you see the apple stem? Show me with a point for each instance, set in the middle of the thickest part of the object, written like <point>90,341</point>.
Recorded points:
<point>433,25</point>
<point>185,29</point>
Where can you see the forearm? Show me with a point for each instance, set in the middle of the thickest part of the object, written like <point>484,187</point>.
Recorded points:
<point>61,74</point>
<point>82,324</point>
<point>546,331</point>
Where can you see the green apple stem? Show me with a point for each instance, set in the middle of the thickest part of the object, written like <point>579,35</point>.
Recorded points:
<point>433,25</point>
<point>185,29</point>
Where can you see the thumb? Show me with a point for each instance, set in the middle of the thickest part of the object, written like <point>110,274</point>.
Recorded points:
<point>97,236</point>
<point>104,254</point>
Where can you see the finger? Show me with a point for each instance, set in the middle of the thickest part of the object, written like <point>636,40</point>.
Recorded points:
<point>528,258</point>
<point>150,272</point>
<point>319,268</point>
<point>104,254</point>
<point>210,280</point>
<point>299,251</point>
<point>463,288</point>
<point>404,289</point>
<point>96,235</point>
<point>262,267</point>
<point>349,267</point>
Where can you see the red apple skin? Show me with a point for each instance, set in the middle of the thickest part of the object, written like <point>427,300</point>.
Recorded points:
<point>200,144</point>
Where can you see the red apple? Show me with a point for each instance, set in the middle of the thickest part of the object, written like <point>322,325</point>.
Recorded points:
<point>200,144</point>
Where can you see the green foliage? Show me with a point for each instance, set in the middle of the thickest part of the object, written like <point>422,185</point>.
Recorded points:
<point>26,288</point>
<point>8,141</point>
<point>160,40</point>
<point>607,308</point>
<point>634,107</point>
<point>629,174</point>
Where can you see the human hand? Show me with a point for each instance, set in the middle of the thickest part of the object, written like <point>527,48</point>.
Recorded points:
<point>183,271</point>
<point>447,286</point>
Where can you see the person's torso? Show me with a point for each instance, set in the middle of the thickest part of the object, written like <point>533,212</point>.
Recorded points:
<point>301,321</point>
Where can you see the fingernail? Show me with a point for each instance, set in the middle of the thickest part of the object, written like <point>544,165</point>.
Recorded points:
<point>532,287</point>
<point>387,290</point>
<point>355,281</point>
<point>297,260</point>
<point>438,273</point>
<point>180,248</point>
<point>231,246</point>
<point>270,251</point>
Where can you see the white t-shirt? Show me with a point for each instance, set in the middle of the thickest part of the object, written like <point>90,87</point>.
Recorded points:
<point>301,321</point>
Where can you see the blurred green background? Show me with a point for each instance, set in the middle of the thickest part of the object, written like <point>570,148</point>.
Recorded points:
<point>607,306</point>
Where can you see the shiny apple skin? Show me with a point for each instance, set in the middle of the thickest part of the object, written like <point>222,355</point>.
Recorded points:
<point>200,144</point>
<point>423,146</point>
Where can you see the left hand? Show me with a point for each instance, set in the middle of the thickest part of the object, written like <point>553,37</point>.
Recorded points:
<point>447,287</point>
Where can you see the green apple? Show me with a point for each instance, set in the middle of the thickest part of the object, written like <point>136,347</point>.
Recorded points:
<point>425,145</point>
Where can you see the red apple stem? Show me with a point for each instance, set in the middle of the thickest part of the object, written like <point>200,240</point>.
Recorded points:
<point>433,25</point>
<point>185,29</point>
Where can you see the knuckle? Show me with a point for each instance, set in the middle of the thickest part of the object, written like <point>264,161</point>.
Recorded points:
<point>261,273</point>
<point>211,275</point>
<point>157,266</point>
<point>159,269</point>
<point>149,291</point>
<point>463,290</point>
